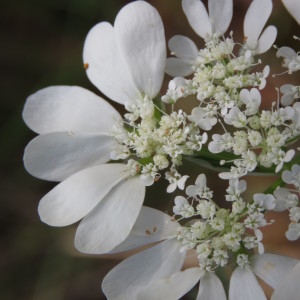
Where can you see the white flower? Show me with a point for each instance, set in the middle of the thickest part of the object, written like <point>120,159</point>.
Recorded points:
<point>160,261</point>
<point>291,59</point>
<point>182,207</point>
<point>175,90</point>
<point>175,180</point>
<point>236,187</point>
<point>252,100</point>
<point>265,201</point>
<point>284,199</point>
<point>235,118</point>
<point>206,209</point>
<point>161,281</point>
<point>283,157</point>
<point>257,40</point>
<point>202,118</point>
<point>199,189</point>
<point>290,93</point>
<point>293,7</point>
<point>163,278</point>
<point>205,25</point>
<point>74,125</point>
<point>185,51</point>
<point>119,57</point>
<point>220,143</point>
<point>293,176</point>
<point>293,232</point>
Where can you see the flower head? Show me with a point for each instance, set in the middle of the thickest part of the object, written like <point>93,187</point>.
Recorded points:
<point>75,127</point>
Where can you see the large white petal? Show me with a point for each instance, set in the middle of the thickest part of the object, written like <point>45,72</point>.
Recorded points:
<point>106,68</point>
<point>68,108</point>
<point>178,67</point>
<point>220,13</point>
<point>173,287</point>
<point>289,287</point>
<point>57,155</point>
<point>197,16</point>
<point>141,40</point>
<point>244,286</point>
<point>266,40</point>
<point>152,225</point>
<point>183,47</point>
<point>293,7</point>
<point>211,287</point>
<point>256,17</point>
<point>76,196</point>
<point>109,223</point>
<point>272,268</point>
<point>142,269</point>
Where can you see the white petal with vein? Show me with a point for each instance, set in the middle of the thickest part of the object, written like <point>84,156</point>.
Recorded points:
<point>266,40</point>
<point>197,16</point>
<point>136,272</point>
<point>256,17</point>
<point>106,67</point>
<point>211,288</point>
<point>76,196</point>
<point>152,225</point>
<point>183,47</point>
<point>57,155</point>
<point>173,287</point>
<point>141,41</point>
<point>109,223</point>
<point>244,286</point>
<point>178,67</point>
<point>68,108</point>
<point>272,268</point>
<point>220,13</point>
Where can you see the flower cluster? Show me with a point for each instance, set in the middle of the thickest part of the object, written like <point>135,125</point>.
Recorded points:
<point>103,161</point>
<point>216,233</point>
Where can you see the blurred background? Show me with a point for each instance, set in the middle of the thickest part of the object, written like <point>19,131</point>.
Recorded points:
<point>41,45</point>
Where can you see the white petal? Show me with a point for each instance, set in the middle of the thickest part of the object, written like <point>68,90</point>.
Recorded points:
<point>256,17</point>
<point>289,287</point>
<point>57,155</point>
<point>220,13</point>
<point>211,288</point>
<point>266,40</point>
<point>293,7</point>
<point>68,108</point>
<point>178,67</point>
<point>111,221</point>
<point>272,268</point>
<point>141,39</point>
<point>197,16</point>
<point>173,287</point>
<point>152,225</point>
<point>136,272</point>
<point>106,67</point>
<point>183,47</point>
<point>76,196</point>
<point>286,52</point>
<point>244,286</point>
